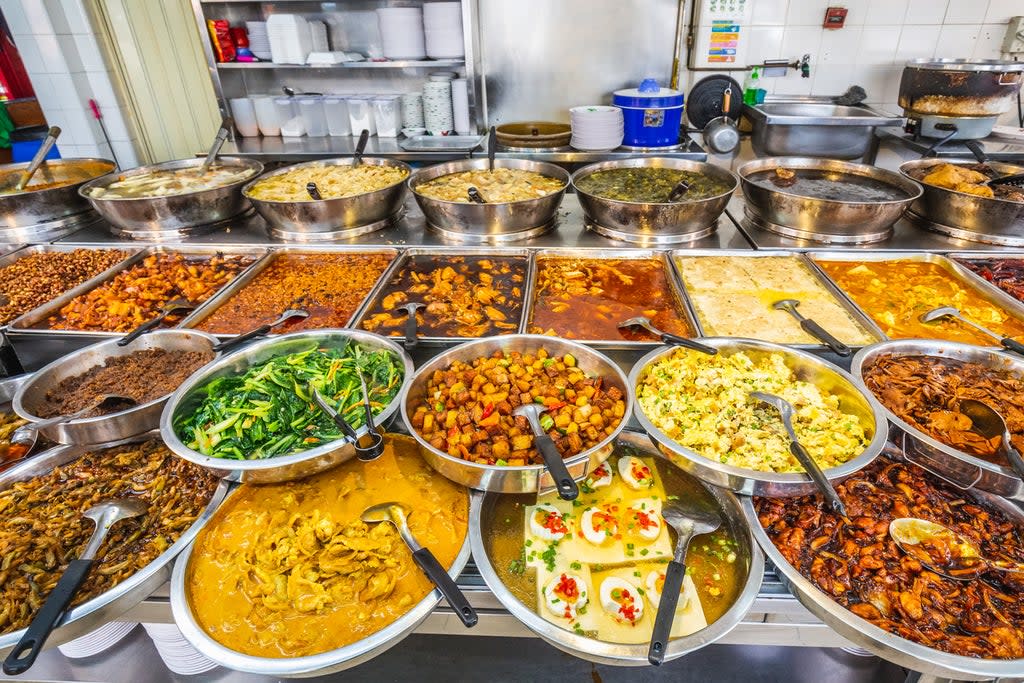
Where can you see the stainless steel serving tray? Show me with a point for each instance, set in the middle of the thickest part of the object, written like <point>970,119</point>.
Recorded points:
<point>1002,255</point>
<point>807,367</point>
<point>405,257</point>
<point>863,633</point>
<point>604,652</point>
<point>951,464</point>
<point>196,318</point>
<point>124,596</point>
<point>441,143</point>
<point>682,309</point>
<point>840,298</point>
<point>33,322</point>
<point>978,285</point>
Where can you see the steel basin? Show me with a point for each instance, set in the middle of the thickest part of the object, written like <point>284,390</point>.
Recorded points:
<point>528,478</point>
<point>814,127</point>
<point>853,398</point>
<point>29,215</point>
<point>657,223</point>
<point>283,467</point>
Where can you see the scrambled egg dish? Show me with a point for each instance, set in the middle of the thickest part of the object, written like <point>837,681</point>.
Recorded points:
<point>333,182</point>
<point>702,402</point>
<point>496,187</point>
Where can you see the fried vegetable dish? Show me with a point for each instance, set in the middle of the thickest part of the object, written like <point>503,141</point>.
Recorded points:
<point>290,570</point>
<point>463,296</point>
<point>269,411</point>
<point>169,182</point>
<point>650,185</point>
<point>925,392</point>
<point>9,452</point>
<point>36,279</point>
<point>42,528</point>
<point>702,403</point>
<point>466,410</point>
<point>499,186</point>
<point>329,286</point>
<point>137,294</point>
<point>856,562</point>
<point>143,375</point>
<point>896,293</point>
<point>333,182</point>
<point>1005,273</point>
<point>588,298</point>
<point>969,179</point>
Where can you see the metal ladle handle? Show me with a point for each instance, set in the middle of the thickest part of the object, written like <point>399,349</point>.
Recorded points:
<point>674,574</point>
<point>812,328</point>
<point>449,589</point>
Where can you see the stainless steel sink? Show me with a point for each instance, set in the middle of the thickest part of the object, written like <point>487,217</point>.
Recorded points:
<point>814,127</point>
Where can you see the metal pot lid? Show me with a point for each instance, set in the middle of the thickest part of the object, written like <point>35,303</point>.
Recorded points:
<point>945,64</point>
<point>648,94</point>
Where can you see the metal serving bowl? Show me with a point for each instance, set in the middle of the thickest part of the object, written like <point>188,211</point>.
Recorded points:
<point>527,478</point>
<point>9,387</point>
<point>124,596</point>
<point>337,218</point>
<point>177,215</point>
<point>968,216</point>
<point>853,398</point>
<point>492,222</point>
<point>863,633</point>
<point>951,464</point>
<point>283,467</point>
<point>104,428</point>
<point>655,223</point>
<point>482,522</point>
<point>34,213</point>
<point>822,220</point>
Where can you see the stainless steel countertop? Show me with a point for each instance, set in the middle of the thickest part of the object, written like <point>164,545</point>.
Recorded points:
<point>996,149</point>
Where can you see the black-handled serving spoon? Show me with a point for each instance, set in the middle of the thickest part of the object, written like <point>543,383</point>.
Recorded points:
<point>364,137</point>
<point>564,484</point>
<point>811,327</point>
<point>260,331</point>
<point>167,309</point>
<point>313,191</point>
<point>665,337</point>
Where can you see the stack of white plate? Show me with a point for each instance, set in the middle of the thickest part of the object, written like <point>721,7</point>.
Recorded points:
<point>259,39</point>
<point>97,641</point>
<point>442,25</point>
<point>179,656</point>
<point>291,40</point>
<point>437,107</point>
<point>596,127</point>
<point>401,32</point>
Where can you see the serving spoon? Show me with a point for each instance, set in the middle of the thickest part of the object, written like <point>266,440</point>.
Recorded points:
<point>364,137</point>
<point>262,330</point>
<point>564,484</point>
<point>27,435</point>
<point>167,309</point>
<point>40,157</point>
<point>951,312</point>
<point>397,514</point>
<point>226,125</point>
<point>673,339</point>
<point>104,515</point>
<point>411,325</point>
<point>943,550</point>
<point>989,423</point>
<point>811,327</point>
<point>688,522</point>
<point>786,412</point>
<point>475,196</point>
<point>681,188</point>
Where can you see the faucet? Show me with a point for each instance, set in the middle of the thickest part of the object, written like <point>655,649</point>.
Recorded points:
<point>805,66</point>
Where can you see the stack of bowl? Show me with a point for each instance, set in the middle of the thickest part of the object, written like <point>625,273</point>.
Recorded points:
<point>596,127</point>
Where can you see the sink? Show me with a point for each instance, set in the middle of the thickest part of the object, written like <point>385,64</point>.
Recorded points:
<point>814,127</point>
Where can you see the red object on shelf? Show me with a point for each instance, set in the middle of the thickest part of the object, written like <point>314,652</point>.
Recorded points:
<point>240,36</point>
<point>835,17</point>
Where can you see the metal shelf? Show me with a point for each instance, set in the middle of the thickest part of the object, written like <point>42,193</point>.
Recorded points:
<point>397,64</point>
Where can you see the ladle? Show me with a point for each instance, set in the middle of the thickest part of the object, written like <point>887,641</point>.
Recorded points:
<point>951,312</point>
<point>811,327</point>
<point>369,447</point>
<point>27,435</point>
<point>989,423</point>
<point>673,339</point>
<point>678,191</point>
<point>261,331</point>
<point>567,488</point>
<point>475,196</point>
<point>364,138</point>
<point>943,550</point>
<point>374,441</point>
<point>411,325</point>
<point>26,176</point>
<point>218,141</point>
<point>167,309</point>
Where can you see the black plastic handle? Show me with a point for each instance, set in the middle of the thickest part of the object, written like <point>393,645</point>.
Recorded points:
<point>821,334</point>
<point>564,484</point>
<point>674,574</point>
<point>364,137</point>
<point>24,654</point>
<point>411,340</point>
<point>492,147</point>
<point>373,449</point>
<point>676,340</point>
<point>818,477</point>
<point>1012,345</point>
<point>313,191</point>
<point>458,602</point>
<point>475,196</point>
<point>141,330</point>
<point>227,344</point>
<point>678,191</point>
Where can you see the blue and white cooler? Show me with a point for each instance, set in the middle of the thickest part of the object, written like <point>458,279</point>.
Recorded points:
<point>652,114</point>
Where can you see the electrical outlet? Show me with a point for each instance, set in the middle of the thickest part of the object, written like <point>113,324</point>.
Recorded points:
<point>1013,43</point>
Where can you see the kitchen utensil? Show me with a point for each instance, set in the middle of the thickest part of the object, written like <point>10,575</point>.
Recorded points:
<point>811,327</point>
<point>373,444</point>
<point>943,550</point>
<point>218,141</point>
<point>720,134</point>
<point>951,312</point>
<point>475,195</point>
<point>98,115</point>
<point>105,515</point>
<point>678,191</point>
<point>410,325</point>
<point>492,148</point>
<point>675,340</point>
<point>28,434</point>
<point>364,137</point>
<point>705,99</point>
<point>313,191</point>
<point>167,309</point>
<point>786,412</point>
<point>397,514</point>
<point>989,423</point>
<point>688,522</point>
<point>567,488</point>
<point>369,447</point>
<point>33,166</point>
<point>1015,180</point>
<point>262,330</point>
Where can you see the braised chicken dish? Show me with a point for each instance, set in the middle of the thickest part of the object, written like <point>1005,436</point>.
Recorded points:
<point>969,179</point>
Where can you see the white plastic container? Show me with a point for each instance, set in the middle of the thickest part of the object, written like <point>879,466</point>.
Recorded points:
<point>244,114</point>
<point>290,38</point>
<point>267,117</point>
<point>401,32</point>
<point>460,106</point>
<point>386,115</point>
<point>288,117</point>
<point>311,109</point>
<point>360,115</point>
<point>336,111</point>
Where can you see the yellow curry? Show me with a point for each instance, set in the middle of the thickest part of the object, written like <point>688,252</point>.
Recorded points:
<point>289,570</point>
<point>895,293</point>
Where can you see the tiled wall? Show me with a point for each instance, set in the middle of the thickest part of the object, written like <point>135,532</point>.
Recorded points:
<point>58,47</point>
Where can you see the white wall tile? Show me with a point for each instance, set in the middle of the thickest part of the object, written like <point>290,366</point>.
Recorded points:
<point>37,16</point>
<point>806,12</point>
<point>78,19</point>
<point>793,84</point>
<point>47,94</point>
<point>89,52</point>
<point>1000,11</point>
<point>14,13</point>
<point>990,40</point>
<point>958,40</point>
<point>31,57</point>
<point>857,11</point>
<point>74,122</point>
<point>770,12</point>
<point>800,40</point>
<point>114,120</point>
<point>875,80</point>
<point>832,79</point>
<point>917,41</point>
<point>840,46</point>
<point>127,156</point>
<point>878,45</point>
<point>102,90</point>
<point>966,11</point>
<point>52,53</point>
<point>925,11</point>
<point>55,10</point>
<point>885,12</point>
<point>68,93</point>
<point>765,43</point>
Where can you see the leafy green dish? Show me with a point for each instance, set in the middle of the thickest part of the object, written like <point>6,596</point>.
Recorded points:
<point>269,411</point>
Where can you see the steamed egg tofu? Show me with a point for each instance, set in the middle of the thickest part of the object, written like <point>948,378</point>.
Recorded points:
<point>635,473</point>
<point>565,594</point>
<point>621,599</point>
<point>599,478</point>
<point>598,526</point>
<point>548,523</point>
<point>643,521</point>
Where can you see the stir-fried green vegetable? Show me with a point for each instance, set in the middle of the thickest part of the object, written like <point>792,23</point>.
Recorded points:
<point>269,410</point>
